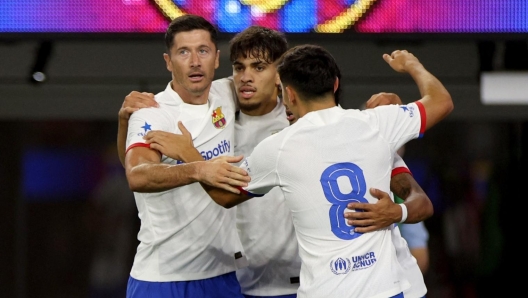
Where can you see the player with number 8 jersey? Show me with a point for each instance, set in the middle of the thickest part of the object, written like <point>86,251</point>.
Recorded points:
<point>319,178</point>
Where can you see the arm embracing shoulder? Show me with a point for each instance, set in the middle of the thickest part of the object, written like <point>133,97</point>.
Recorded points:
<point>403,185</point>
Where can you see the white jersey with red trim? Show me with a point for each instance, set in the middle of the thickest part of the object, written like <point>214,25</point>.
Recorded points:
<point>405,258</point>
<point>265,226</point>
<point>184,235</point>
<point>326,160</point>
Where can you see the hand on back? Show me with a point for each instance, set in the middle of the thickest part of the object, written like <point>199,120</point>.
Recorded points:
<point>381,99</point>
<point>135,101</point>
<point>373,216</point>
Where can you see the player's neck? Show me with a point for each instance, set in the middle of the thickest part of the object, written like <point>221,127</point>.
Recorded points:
<point>192,98</point>
<point>317,105</point>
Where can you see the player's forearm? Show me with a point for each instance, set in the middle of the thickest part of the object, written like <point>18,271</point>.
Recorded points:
<point>156,177</point>
<point>122,131</point>
<point>224,198</point>
<point>191,155</point>
<point>419,206</point>
<point>435,97</point>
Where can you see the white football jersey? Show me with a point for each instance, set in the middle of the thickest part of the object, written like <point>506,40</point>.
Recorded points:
<point>265,226</point>
<point>326,160</point>
<point>184,235</point>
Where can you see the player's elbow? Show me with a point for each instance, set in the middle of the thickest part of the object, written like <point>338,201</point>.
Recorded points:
<point>223,200</point>
<point>446,106</point>
<point>428,209</point>
<point>438,109</point>
<point>449,106</point>
<point>227,204</point>
<point>136,186</point>
<point>136,182</point>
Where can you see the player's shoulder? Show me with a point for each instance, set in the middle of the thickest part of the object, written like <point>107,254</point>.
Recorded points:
<point>223,90</point>
<point>222,86</point>
<point>157,113</point>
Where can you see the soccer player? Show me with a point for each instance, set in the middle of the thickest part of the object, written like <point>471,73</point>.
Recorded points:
<point>330,158</point>
<point>274,263</point>
<point>189,246</point>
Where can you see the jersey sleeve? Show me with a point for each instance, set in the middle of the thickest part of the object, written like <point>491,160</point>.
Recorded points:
<point>261,167</point>
<point>141,122</point>
<point>399,124</point>
<point>399,166</point>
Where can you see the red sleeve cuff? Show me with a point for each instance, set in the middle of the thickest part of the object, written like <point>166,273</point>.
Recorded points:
<point>422,117</point>
<point>400,170</point>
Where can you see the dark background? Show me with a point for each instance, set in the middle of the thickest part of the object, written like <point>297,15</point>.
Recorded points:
<point>69,222</point>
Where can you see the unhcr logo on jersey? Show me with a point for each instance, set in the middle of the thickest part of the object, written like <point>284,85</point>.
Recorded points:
<point>340,266</point>
<point>220,149</point>
<point>363,262</point>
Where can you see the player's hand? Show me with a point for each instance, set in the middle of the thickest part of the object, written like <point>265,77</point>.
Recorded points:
<point>135,101</point>
<point>382,99</point>
<point>401,60</point>
<point>374,216</point>
<point>221,173</point>
<point>175,146</point>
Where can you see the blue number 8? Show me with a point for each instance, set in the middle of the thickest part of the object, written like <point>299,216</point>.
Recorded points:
<point>340,200</point>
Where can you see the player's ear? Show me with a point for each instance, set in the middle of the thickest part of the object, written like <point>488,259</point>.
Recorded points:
<point>292,95</point>
<point>217,59</point>
<point>336,84</point>
<point>167,61</point>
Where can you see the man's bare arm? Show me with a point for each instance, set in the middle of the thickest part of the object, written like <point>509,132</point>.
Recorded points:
<point>225,198</point>
<point>145,173</point>
<point>221,175</point>
<point>385,212</point>
<point>435,98</point>
<point>419,206</point>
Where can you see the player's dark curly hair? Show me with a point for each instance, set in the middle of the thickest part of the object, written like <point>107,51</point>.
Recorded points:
<point>259,42</point>
<point>310,70</point>
<point>188,23</point>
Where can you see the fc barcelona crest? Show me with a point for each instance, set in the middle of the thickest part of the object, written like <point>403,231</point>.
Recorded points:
<point>218,118</point>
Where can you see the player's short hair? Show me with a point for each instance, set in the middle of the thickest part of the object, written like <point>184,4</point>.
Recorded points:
<point>186,23</point>
<point>258,42</point>
<point>310,70</point>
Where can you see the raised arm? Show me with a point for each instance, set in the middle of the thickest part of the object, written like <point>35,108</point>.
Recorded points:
<point>436,99</point>
<point>133,102</point>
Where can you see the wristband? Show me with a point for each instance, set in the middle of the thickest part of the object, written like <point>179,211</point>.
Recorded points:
<point>404,212</point>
